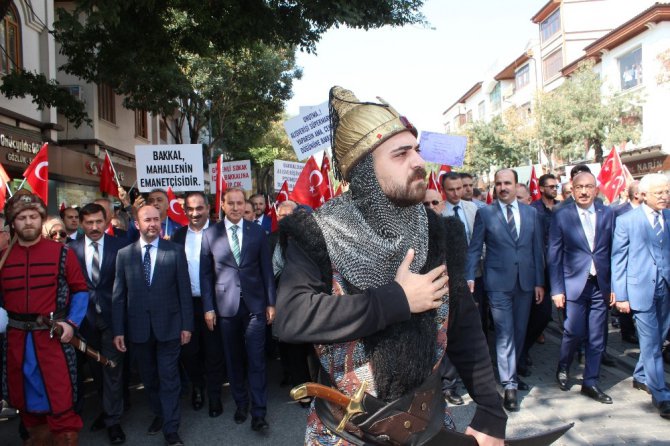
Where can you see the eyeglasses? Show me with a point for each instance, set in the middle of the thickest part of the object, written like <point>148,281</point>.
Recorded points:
<point>551,186</point>
<point>52,235</point>
<point>660,193</point>
<point>584,187</point>
<point>428,203</point>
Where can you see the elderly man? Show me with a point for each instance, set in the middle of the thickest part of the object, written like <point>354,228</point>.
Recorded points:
<point>433,200</point>
<point>365,280</point>
<point>40,368</point>
<point>641,281</point>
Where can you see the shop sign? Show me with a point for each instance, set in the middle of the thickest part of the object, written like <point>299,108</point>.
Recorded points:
<point>643,167</point>
<point>95,167</point>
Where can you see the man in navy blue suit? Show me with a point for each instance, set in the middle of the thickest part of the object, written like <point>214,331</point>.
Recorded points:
<point>96,252</point>
<point>513,273</point>
<point>259,206</point>
<point>152,304</point>
<point>580,247</point>
<point>641,282</point>
<point>238,293</point>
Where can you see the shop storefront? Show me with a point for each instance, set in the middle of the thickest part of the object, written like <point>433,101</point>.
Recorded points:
<point>647,160</point>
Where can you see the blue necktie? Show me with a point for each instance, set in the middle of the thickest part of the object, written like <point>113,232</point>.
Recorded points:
<point>658,229</point>
<point>147,265</point>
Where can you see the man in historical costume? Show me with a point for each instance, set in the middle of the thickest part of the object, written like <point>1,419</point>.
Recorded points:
<point>365,280</point>
<point>41,278</point>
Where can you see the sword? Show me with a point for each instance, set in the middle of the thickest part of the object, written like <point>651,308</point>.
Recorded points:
<point>78,343</point>
<point>353,406</point>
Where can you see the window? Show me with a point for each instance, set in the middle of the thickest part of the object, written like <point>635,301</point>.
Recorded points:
<point>522,77</point>
<point>495,98</point>
<point>630,69</point>
<point>552,65</point>
<point>141,129</point>
<point>468,116</point>
<point>550,26</point>
<point>10,42</point>
<point>481,110</point>
<point>106,105</point>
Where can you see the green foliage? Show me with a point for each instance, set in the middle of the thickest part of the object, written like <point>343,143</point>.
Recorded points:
<point>505,141</point>
<point>273,145</point>
<point>577,117</point>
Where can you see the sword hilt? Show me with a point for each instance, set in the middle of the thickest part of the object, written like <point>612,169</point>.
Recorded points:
<point>353,408</point>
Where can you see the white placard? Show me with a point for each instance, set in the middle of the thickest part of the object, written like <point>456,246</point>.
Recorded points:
<point>236,174</point>
<point>178,166</point>
<point>287,171</point>
<point>309,132</point>
<point>443,149</point>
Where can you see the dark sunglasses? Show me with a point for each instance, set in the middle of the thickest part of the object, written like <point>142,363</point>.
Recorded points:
<point>428,203</point>
<point>63,234</point>
<point>555,186</point>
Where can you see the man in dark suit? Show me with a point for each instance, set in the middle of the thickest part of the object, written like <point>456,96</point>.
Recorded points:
<point>641,282</point>
<point>580,247</point>
<point>513,273</point>
<point>97,252</point>
<point>259,206</point>
<point>202,358</point>
<point>237,286</point>
<point>152,298</point>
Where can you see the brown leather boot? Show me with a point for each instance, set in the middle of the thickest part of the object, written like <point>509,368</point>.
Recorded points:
<point>66,439</point>
<point>39,436</point>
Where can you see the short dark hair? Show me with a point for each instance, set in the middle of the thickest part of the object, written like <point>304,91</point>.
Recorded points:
<point>196,193</point>
<point>579,168</point>
<point>516,175</point>
<point>543,179</point>
<point>62,212</point>
<point>257,194</point>
<point>465,175</point>
<point>90,209</point>
<point>449,176</point>
<point>234,189</point>
<point>476,192</point>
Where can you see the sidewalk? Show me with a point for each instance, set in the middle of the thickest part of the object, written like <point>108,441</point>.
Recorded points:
<point>630,420</point>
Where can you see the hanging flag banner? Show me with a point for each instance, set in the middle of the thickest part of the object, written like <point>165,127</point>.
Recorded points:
<point>309,132</point>
<point>236,174</point>
<point>178,166</point>
<point>288,171</point>
<point>443,149</point>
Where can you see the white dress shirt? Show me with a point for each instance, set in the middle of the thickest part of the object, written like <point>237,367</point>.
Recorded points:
<point>192,248</point>
<point>590,232</point>
<point>153,254</point>
<point>449,212</point>
<point>88,253</point>
<point>649,212</point>
<point>515,214</point>
<point>240,226</point>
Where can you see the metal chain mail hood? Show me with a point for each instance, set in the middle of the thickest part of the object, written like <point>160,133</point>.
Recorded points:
<point>367,235</point>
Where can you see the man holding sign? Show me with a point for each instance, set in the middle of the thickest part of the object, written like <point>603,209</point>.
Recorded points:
<point>157,198</point>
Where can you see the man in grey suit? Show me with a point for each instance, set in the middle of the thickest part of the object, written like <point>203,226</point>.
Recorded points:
<point>152,298</point>
<point>641,282</point>
<point>513,273</point>
<point>452,185</point>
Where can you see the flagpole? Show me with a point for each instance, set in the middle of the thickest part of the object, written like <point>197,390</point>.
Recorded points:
<point>116,177</point>
<point>22,183</point>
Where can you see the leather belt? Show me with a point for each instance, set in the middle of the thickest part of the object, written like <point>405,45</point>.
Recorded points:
<point>28,321</point>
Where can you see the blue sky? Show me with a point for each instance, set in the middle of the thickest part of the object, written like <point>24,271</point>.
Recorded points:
<point>420,71</point>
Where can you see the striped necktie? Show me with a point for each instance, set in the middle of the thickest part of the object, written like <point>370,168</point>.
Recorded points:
<point>658,229</point>
<point>235,243</point>
<point>510,222</point>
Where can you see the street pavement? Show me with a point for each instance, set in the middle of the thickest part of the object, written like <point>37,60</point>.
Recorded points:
<point>630,420</point>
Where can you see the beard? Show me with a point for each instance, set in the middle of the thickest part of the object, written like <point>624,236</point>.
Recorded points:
<point>410,193</point>
<point>28,234</point>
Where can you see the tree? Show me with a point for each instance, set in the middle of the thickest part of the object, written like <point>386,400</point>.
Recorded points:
<point>505,141</point>
<point>577,117</point>
<point>140,47</point>
<point>273,145</point>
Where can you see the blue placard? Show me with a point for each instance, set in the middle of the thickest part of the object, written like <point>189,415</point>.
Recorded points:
<point>443,149</point>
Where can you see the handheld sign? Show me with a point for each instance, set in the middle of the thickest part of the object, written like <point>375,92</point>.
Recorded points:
<point>443,149</point>
<point>309,132</point>
<point>236,174</point>
<point>288,171</point>
<point>178,166</point>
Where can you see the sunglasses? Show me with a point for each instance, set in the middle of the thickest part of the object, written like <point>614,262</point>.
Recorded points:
<point>555,186</point>
<point>428,203</point>
<point>53,234</point>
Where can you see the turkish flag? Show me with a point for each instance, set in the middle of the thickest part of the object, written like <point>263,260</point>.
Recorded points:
<point>272,211</point>
<point>534,186</point>
<point>221,185</point>
<point>612,177</point>
<point>175,209</point>
<point>107,183</point>
<point>282,195</point>
<point>4,180</point>
<point>489,197</point>
<point>37,174</point>
<point>432,183</point>
<point>307,189</point>
<point>326,187</point>
<point>444,169</point>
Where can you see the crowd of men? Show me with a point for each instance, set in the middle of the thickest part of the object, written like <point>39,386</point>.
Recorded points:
<point>368,278</point>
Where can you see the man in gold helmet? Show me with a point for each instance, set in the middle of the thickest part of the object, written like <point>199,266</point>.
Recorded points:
<point>365,280</point>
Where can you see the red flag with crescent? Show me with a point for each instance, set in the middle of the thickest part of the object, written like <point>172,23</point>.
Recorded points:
<point>444,169</point>
<point>282,195</point>
<point>107,183</point>
<point>612,177</point>
<point>221,185</point>
<point>534,186</point>
<point>432,183</point>
<point>4,184</point>
<point>37,174</point>
<point>326,186</point>
<point>307,189</point>
<point>175,209</point>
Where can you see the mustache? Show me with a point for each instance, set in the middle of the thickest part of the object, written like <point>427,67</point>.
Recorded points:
<point>418,174</point>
